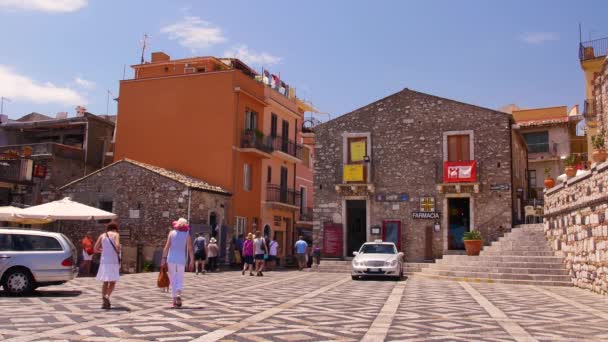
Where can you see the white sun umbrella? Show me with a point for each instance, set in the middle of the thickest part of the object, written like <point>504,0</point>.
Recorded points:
<point>65,209</point>
<point>10,214</point>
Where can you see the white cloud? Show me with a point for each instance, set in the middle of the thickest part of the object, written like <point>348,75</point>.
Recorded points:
<point>539,37</point>
<point>54,6</point>
<point>86,84</point>
<point>194,33</point>
<point>20,87</point>
<point>243,53</point>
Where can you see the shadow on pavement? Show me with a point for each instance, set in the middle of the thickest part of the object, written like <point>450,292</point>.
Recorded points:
<point>47,293</point>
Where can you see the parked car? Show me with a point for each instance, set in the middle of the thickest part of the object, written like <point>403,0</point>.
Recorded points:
<point>31,259</point>
<point>378,259</point>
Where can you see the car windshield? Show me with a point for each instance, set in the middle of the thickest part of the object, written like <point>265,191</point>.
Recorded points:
<point>378,249</point>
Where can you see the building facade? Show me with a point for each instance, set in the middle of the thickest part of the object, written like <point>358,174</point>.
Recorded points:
<point>417,170</point>
<point>219,120</point>
<point>147,199</point>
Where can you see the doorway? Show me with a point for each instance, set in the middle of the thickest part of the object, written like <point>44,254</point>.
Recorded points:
<point>356,221</point>
<point>459,219</point>
<point>391,232</point>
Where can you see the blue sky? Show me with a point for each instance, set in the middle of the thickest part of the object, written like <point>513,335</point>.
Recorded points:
<point>340,55</point>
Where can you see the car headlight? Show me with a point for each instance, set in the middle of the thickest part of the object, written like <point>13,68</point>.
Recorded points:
<point>391,263</point>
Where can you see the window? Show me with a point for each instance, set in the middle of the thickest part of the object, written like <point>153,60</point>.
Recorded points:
<point>106,205</point>
<point>251,120</point>
<point>246,177</point>
<point>240,225</point>
<point>459,147</point>
<point>6,243</point>
<point>532,178</point>
<point>269,175</point>
<point>23,242</point>
<point>273,125</point>
<point>302,199</point>
<point>538,142</point>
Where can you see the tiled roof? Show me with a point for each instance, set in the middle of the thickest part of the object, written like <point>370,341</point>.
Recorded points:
<point>543,122</point>
<point>188,181</point>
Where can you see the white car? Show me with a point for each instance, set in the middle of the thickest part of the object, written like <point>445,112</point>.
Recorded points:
<point>30,259</point>
<point>378,259</point>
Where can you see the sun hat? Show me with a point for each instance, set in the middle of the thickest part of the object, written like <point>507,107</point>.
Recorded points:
<point>181,225</point>
<point>213,240</point>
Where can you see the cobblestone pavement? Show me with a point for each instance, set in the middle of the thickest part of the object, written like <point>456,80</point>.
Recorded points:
<point>302,306</point>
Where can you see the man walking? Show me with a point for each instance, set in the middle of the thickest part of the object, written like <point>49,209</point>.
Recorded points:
<point>199,253</point>
<point>301,247</point>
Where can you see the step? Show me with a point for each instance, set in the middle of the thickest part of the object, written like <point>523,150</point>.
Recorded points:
<point>512,276</point>
<point>516,246</point>
<point>493,281</point>
<point>482,263</point>
<point>504,258</point>
<point>515,253</point>
<point>500,269</point>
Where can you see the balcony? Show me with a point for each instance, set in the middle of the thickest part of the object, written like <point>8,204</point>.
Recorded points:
<point>590,111</point>
<point>593,49</point>
<point>49,149</point>
<point>287,149</point>
<point>458,177</point>
<point>16,170</point>
<point>282,197</point>
<point>306,214</point>
<point>253,141</point>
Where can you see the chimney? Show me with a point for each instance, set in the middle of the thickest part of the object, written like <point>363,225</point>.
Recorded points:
<point>160,57</point>
<point>61,115</point>
<point>80,110</point>
<point>3,118</point>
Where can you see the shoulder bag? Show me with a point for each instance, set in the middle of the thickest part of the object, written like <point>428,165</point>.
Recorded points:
<point>115,250</point>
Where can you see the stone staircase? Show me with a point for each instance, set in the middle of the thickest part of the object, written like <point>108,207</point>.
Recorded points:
<point>522,256</point>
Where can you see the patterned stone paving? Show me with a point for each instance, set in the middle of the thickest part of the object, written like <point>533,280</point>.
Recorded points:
<point>302,306</point>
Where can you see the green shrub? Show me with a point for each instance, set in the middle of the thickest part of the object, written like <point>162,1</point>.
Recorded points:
<point>148,266</point>
<point>472,235</point>
<point>598,140</point>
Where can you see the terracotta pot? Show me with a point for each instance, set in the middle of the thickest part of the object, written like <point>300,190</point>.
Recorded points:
<point>473,247</point>
<point>570,171</point>
<point>549,183</point>
<point>27,151</point>
<point>599,156</point>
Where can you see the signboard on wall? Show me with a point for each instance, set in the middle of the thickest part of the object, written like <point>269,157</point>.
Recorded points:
<point>357,150</point>
<point>332,240</point>
<point>460,171</point>
<point>427,204</point>
<point>353,173</point>
<point>425,215</point>
<point>500,187</point>
<point>392,197</point>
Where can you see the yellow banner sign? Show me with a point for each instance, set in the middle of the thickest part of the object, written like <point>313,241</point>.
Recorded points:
<point>357,151</point>
<point>353,173</point>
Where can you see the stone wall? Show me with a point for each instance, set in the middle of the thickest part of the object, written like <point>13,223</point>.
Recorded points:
<point>576,226</point>
<point>600,95</point>
<point>407,157</point>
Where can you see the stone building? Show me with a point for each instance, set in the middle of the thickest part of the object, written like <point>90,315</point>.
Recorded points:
<point>147,199</point>
<point>418,170</point>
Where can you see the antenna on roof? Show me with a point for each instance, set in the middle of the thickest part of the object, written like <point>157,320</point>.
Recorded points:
<point>144,45</point>
<point>2,99</point>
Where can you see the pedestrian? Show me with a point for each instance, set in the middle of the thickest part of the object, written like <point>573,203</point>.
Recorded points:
<point>273,250</point>
<point>199,253</point>
<point>87,253</point>
<point>248,254</point>
<point>108,244</point>
<point>301,246</point>
<point>212,251</point>
<point>174,256</point>
<point>239,246</point>
<point>260,249</point>
<point>317,255</point>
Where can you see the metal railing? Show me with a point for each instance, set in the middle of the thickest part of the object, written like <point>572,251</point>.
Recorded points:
<point>49,148</point>
<point>280,194</point>
<point>16,170</point>
<point>287,146</point>
<point>306,214</point>
<point>590,110</point>
<point>256,139</point>
<point>593,49</point>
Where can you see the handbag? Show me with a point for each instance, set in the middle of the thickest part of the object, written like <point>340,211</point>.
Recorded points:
<point>115,250</point>
<point>163,278</point>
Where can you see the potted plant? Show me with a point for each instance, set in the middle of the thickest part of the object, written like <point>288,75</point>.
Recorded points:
<point>472,242</point>
<point>569,162</point>
<point>599,151</point>
<point>549,181</point>
<point>27,151</point>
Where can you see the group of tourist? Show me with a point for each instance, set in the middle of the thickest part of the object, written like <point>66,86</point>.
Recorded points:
<point>256,253</point>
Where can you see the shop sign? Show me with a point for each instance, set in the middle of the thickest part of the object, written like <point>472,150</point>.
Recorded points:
<point>427,204</point>
<point>39,171</point>
<point>392,197</point>
<point>460,171</point>
<point>357,150</point>
<point>332,240</point>
<point>425,215</point>
<point>353,173</point>
<point>277,220</point>
<point>499,187</point>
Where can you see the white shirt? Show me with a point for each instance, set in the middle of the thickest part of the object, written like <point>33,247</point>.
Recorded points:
<point>273,246</point>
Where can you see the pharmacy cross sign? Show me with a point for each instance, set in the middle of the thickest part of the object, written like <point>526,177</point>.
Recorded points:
<point>427,204</point>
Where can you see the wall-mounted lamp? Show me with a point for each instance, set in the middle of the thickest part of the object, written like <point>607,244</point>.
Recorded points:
<point>366,159</point>
<point>437,227</point>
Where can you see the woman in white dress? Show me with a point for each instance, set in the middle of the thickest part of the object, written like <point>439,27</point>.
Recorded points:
<point>108,245</point>
<point>174,256</point>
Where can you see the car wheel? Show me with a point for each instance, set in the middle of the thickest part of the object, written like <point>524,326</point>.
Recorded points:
<point>18,282</point>
<point>354,277</point>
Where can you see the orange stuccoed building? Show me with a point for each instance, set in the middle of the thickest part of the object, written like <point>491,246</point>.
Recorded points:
<point>218,120</point>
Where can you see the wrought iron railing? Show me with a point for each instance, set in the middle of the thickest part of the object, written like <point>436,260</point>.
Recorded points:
<point>593,49</point>
<point>287,146</point>
<point>590,110</point>
<point>281,194</point>
<point>256,139</point>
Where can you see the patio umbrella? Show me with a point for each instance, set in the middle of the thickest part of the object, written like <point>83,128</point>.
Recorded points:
<point>65,209</point>
<point>9,214</point>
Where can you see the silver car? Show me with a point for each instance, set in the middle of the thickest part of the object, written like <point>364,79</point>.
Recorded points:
<point>378,259</point>
<point>30,259</point>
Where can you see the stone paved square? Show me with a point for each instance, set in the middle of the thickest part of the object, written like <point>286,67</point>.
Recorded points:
<point>304,306</point>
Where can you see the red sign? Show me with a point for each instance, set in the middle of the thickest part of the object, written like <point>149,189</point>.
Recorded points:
<point>332,240</point>
<point>460,171</point>
<point>39,171</point>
